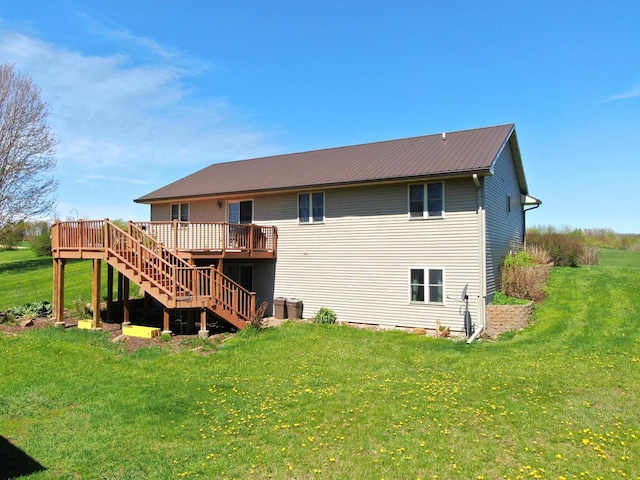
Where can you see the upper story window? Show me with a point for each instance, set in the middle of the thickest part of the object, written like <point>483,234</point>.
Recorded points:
<point>426,200</point>
<point>180,212</point>
<point>311,207</point>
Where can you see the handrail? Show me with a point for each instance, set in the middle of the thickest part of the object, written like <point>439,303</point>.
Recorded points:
<point>155,263</point>
<point>212,236</point>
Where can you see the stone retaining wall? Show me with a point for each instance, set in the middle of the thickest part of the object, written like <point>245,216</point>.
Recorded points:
<point>502,318</point>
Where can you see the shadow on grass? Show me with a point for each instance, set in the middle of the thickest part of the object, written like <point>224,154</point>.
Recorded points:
<point>14,463</point>
<point>25,265</point>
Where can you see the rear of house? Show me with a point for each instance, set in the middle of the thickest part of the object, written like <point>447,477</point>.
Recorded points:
<point>406,233</point>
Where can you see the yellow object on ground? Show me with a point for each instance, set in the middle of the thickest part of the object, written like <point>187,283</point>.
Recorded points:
<point>140,331</point>
<point>85,324</point>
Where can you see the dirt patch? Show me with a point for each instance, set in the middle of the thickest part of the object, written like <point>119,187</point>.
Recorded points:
<point>174,343</point>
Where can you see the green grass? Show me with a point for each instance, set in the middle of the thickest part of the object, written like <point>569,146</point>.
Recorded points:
<point>619,258</point>
<point>558,400</point>
<point>27,278</point>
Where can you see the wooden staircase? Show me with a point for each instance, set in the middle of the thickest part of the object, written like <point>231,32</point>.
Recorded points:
<point>157,270</point>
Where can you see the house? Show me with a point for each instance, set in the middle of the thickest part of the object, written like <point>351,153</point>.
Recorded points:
<point>407,233</point>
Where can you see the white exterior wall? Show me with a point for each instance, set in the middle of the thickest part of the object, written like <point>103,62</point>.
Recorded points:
<point>357,263</point>
<point>505,229</point>
<point>199,211</point>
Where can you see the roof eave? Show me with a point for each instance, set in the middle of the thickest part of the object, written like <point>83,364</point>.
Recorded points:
<point>433,176</point>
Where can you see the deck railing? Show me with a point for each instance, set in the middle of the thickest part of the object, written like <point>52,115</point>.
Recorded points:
<point>153,262</point>
<point>218,237</point>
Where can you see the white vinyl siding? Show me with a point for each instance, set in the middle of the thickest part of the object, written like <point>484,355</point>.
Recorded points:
<point>504,226</point>
<point>357,263</point>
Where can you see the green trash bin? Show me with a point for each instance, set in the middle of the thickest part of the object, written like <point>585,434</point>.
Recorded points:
<point>294,308</point>
<point>280,308</point>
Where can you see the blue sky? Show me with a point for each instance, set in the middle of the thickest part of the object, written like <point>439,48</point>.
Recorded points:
<point>143,93</point>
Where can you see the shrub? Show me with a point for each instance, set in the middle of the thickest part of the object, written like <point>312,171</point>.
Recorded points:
<point>538,254</point>
<point>79,309</point>
<point>563,249</point>
<point>12,234</point>
<point>499,298</point>
<point>520,259</point>
<point>525,281</point>
<point>257,319</point>
<point>589,256</point>
<point>31,310</point>
<point>324,315</point>
<point>41,244</point>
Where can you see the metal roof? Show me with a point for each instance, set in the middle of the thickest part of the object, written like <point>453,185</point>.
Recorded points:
<point>451,153</point>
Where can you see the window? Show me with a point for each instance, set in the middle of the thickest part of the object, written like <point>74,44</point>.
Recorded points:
<point>427,285</point>
<point>426,200</point>
<point>240,212</point>
<point>311,207</point>
<point>180,212</point>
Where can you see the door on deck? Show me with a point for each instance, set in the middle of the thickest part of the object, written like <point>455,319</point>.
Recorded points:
<point>240,273</point>
<point>239,214</point>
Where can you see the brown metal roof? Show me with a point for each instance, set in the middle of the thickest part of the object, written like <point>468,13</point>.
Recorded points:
<point>468,151</point>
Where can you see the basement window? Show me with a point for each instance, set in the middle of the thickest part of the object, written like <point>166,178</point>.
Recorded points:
<point>426,285</point>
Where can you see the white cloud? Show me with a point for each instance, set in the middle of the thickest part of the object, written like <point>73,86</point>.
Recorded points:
<point>623,96</point>
<point>129,118</point>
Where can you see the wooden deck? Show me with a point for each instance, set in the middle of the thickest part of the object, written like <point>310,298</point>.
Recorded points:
<point>154,255</point>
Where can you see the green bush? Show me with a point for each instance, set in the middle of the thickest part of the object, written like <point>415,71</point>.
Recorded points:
<point>324,315</point>
<point>499,298</point>
<point>564,249</point>
<point>41,244</point>
<point>31,310</point>
<point>520,259</point>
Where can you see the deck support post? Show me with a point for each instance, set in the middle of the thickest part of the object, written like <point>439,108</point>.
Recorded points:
<point>109,293</point>
<point>126,310</point>
<point>58,292</point>
<point>147,308</point>
<point>95,294</point>
<point>204,331</point>
<point>165,322</point>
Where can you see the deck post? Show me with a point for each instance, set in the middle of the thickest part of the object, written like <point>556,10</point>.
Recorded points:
<point>147,308</point>
<point>165,322</point>
<point>204,331</point>
<point>95,293</point>
<point>109,293</point>
<point>126,318</point>
<point>58,292</point>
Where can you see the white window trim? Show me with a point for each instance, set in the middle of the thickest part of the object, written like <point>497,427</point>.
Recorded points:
<point>324,208</point>
<point>427,300</point>
<point>188,204</point>
<point>253,208</point>
<point>425,211</point>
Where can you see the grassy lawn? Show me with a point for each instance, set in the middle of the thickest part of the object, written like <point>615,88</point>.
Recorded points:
<point>27,278</point>
<point>558,400</point>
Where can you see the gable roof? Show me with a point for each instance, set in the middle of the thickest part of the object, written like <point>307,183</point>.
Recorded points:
<point>450,154</point>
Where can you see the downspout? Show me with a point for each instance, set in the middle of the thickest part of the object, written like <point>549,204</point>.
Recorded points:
<point>482,262</point>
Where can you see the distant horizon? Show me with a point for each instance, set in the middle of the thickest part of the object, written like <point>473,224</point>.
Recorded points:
<point>139,101</point>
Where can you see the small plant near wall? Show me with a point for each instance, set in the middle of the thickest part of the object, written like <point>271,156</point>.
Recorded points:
<point>257,319</point>
<point>325,315</point>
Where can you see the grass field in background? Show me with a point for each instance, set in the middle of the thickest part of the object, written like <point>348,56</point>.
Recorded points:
<point>27,278</point>
<point>560,399</point>
<point>619,258</point>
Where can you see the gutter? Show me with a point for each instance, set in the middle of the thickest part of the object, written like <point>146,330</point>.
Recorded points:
<point>482,275</point>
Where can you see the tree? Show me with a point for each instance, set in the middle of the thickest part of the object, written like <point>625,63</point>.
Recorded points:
<point>27,150</point>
